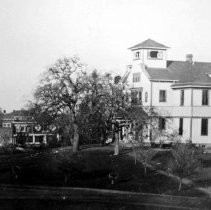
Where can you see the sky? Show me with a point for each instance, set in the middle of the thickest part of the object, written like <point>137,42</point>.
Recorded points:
<point>35,33</point>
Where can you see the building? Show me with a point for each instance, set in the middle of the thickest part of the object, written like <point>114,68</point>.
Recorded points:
<point>179,91</point>
<point>24,129</point>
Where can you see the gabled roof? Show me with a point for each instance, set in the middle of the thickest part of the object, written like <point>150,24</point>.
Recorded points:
<point>149,44</point>
<point>183,73</point>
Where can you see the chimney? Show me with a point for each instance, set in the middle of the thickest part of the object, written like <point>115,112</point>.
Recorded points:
<point>189,58</point>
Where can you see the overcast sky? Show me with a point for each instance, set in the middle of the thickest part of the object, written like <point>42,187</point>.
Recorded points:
<point>34,33</point>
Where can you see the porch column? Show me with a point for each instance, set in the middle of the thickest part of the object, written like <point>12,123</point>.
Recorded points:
<point>33,139</point>
<point>45,139</point>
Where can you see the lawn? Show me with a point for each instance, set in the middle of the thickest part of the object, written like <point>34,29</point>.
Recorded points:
<point>91,167</point>
<point>200,179</point>
<point>203,178</point>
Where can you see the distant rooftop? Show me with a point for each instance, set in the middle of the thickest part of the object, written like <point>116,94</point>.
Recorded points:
<point>149,43</point>
<point>18,115</point>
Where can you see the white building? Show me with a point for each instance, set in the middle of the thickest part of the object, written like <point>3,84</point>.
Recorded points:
<point>179,91</point>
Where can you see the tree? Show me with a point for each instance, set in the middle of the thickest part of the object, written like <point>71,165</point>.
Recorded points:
<point>61,91</point>
<point>104,102</point>
<point>92,109</point>
<point>185,162</point>
<point>1,118</point>
<point>117,103</point>
<point>5,136</point>
<point>145,155</point>
<point>42,117</point>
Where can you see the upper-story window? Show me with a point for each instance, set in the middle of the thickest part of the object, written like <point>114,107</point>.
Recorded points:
<point>205,97</point>
<point>204,126</point>
<point>6,125</point>
<point>155,54</point>
<point>182,94</point>
<point>28,129</point>
<point>137,55</point>
<point>136,77</point>
<point>162,96</point>
<point>136,97</point>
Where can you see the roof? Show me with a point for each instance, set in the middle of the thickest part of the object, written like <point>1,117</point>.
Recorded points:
<point>148,44</point>
<point>18,115</point>
<point>183,72</point>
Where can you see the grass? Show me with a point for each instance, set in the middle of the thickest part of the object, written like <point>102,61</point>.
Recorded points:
<point>203,178</point>
<point>162,158</point>
<point>200,179</point>
<point>88,168</point>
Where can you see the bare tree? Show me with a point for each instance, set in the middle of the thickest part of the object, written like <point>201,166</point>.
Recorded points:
<point>61,91</point>
<point>143,155</point>
<point>185,162</point>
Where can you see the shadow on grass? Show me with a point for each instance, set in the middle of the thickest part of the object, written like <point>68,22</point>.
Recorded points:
<point>94,169</point>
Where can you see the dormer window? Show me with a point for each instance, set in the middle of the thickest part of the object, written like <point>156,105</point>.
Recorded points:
<point>155,54</point>
<point>137,55</point>
<point>136,77</point>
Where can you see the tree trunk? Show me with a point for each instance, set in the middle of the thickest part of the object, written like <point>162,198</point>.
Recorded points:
<point>145,169</point>
<point>65,179</point>
<point>180,184</point>
<point>116,147</point>
<point>75,138</point>
<point>135,155</point>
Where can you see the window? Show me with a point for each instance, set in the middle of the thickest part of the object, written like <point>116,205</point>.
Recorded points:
<point>136,77</point>
<point>5,125</point>
<point>28,129</point>
<point>137,55</point>
<point>205,97</point>
<point>204,126</point>
<point>181,126</point>
<point>9,125</point>
<point>155,54</point>
<point>136,97</point>
<point>182,98</point>
<point>38,139</point>
<point>162,96</point>
<point>117,79</point>
<point>162,123</point>
<point>30,139</point>
<point>146,96</point>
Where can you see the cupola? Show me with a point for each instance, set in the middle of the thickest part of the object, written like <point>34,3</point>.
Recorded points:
<point>150,53</point>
